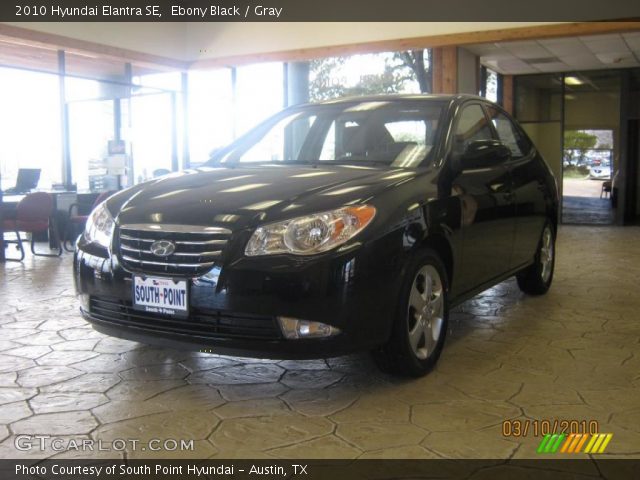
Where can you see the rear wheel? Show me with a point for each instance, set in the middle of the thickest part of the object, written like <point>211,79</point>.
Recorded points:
<point>420,325</point>
<point>536,279</point>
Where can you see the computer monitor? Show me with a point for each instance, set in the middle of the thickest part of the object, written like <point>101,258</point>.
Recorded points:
<point>27,180</point>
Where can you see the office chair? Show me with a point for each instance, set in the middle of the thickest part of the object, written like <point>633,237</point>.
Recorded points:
<point>33,215</point>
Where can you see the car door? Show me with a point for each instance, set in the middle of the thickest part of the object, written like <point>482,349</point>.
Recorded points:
<point>528,187</point>
<point>486,203</point>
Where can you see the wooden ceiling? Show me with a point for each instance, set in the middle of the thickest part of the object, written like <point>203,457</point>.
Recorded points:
<point>30,49</point>
<point>24,48</point>
<point>17,53</point>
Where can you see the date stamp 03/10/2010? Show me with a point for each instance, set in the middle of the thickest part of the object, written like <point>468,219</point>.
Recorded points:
<point>560,436</point>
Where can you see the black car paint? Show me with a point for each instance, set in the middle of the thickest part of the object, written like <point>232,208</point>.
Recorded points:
<point>485,224</point>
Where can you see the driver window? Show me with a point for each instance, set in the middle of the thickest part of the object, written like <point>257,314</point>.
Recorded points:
<point>472,125</point>
<point>508,133</point>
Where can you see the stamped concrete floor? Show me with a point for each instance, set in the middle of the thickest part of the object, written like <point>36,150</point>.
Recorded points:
<point>573,354</point>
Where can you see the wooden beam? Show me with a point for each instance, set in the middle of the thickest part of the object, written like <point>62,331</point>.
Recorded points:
<point>430,41</point>
<point>445,70</point>
<point>449,70</point>
<point>74,45</point>
<point>478,65</point>
<point>436,70</point>
<point>507,93</point>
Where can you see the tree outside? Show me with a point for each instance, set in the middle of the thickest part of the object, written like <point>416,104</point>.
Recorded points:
<point>576,145</point>
<point>380,73</point>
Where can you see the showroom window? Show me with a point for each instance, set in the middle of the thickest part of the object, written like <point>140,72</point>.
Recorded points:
<point>152,135</point>
<point>210,112</point>
<point>30,125</point>
<point>370,74</point>
<point>260,94</point>
<point>489,86</point>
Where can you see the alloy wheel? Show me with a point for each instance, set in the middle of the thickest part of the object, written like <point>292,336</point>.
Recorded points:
<point>425,312</point>
<point>546,254</point>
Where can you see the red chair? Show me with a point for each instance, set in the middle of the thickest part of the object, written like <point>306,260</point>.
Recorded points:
<point>77,221</point>
<point>33,215</point>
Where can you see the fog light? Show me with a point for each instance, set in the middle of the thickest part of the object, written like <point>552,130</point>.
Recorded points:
<point>84,301</point>
<point>293,328</point>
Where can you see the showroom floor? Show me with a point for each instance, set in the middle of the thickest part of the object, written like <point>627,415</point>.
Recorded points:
<point>573,354</point>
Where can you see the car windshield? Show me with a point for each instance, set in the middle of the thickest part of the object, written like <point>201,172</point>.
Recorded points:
<point>396,133</point>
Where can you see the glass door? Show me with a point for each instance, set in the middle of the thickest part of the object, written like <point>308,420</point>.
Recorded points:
<point>590,153</point>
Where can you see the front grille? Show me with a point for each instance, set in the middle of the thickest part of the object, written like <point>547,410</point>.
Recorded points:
<point>203,324</point>
<point>196,248</point>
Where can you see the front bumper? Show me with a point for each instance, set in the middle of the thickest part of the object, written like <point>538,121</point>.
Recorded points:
<point>234,307</point>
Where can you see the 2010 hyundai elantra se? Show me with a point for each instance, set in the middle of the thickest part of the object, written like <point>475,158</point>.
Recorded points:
<point>330,228</point>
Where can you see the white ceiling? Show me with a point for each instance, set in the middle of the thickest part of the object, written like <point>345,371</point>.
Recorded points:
<point>561,54</point>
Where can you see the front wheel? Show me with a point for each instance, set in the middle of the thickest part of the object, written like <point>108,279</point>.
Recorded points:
<point>536,279</point>
<point>421,321</point>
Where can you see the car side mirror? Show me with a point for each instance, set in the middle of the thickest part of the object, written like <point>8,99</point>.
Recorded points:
<point>484,154</point>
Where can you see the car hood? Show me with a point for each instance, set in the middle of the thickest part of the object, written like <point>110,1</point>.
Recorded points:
<point>244,196</point>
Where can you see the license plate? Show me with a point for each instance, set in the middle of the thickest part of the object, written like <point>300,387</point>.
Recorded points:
<point>161,295</point>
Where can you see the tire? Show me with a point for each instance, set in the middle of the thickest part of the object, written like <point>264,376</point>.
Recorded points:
<point>536,278</point>
<point>421,321</point>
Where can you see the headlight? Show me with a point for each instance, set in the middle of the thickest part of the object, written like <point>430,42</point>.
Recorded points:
<point>99,228</point>
<point>310,234</point>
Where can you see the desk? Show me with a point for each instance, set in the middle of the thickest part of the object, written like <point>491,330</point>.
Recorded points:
<point>62,200</point>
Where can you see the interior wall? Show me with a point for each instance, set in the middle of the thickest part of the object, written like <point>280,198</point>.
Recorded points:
<point>547,137</point>
<point>468,72</point>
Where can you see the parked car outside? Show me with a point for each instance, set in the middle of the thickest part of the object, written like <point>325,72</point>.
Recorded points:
<point>600,172</point>
<point>350,225</point>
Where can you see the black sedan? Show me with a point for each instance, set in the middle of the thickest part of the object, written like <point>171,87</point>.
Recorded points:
<point>330,228</point>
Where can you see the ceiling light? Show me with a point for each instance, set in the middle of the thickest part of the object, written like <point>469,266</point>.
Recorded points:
<point>570,80</point>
